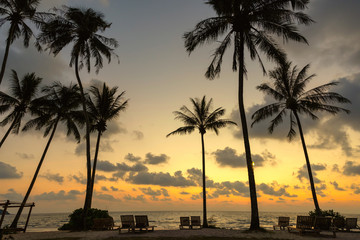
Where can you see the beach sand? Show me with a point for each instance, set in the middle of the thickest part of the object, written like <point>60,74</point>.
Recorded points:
<point>181,234</point>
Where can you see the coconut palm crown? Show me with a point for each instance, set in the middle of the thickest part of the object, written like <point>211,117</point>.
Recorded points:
<point>23,94</point>
<point>202,119</point>
<point>17,13</point>
<point>288,89</point>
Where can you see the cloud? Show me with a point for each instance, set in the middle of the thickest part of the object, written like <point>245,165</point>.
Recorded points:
<point>12,194</point>
<point>130,157</point>
<point>106,197</point>
<point>184,193</point>
<point>105,166</point>
<point>138,167</point>
<point>55,177</point>
<point>78,178</point>
<point>351,168</point>
<point>356,188</point>
<point>303,172</point>
<point>25,155</point>
<point>160,179</point>
<point>137,198</point>
<point>270,190</point>
<point>229,158</point>
<point>335,168</point>
<point>138,135</point>
<point>8,172</point>
<point>319,189</point>
<point>114,189</point>
<point>155,160</point>
<point>61,195</point>
<point>154,194</point>
<point>336,186</point>
<point>103,188</point>
<point>236,188</point>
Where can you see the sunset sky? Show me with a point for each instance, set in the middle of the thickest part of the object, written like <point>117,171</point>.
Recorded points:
<point>140,169</point>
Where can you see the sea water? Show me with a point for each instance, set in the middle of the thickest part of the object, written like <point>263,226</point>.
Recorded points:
<point>164,220</point>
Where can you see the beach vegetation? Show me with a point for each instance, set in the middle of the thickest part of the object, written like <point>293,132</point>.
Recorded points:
<point>21,99</point>
<point>202,118</point>
<point>76,222</point>
<point>288,89</point>
<point>82,28</point>
<point>248,25</point>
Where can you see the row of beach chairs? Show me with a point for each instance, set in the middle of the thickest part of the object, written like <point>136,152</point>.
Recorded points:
<point>186,224</point>
<point>317,224</point>
<point>139,223</point>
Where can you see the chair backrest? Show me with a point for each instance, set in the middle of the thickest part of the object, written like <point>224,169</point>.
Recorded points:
<point>305,222</point>
<point>195,221</point>
<point>103,223</point>
<point>284,221</point>
<point>322,223</point>
<point>184,221</point>
<point>127,221</point>
<point>141,221</point>
<point>339,222</point>
<point>351,223</point>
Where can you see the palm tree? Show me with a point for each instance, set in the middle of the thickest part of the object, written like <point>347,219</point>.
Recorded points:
<point>104,106</point>
<point>81,28</point>
<point>23,93</point>
<point>59,105</point>
<point>203,119</point>
<point>288,89</point>
<point>17,12</point>
<point>250,24</point>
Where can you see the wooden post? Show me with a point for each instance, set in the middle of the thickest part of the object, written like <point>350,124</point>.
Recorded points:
<point>4,212</point>
<point>28,217</point>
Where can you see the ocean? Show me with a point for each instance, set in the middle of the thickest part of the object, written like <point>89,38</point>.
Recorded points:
<point>165,219</point>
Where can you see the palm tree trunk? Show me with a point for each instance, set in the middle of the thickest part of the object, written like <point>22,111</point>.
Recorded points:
<point>312,184</point>
<point>18,214</point>
<point>8,131</point>
<point>87,203</point>
<point>205,224</point>
<point>94,167</point>
<point>6,54</point>
<point>255,223</point>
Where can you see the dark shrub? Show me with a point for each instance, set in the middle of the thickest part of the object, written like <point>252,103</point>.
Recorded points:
<point>75,222</point>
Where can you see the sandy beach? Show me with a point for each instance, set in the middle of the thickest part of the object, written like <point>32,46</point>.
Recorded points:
<point>180,234</point>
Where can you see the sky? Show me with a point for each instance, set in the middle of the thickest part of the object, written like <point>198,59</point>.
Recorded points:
<point>140,169</point>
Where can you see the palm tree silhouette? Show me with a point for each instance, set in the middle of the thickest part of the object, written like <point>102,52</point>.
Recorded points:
<point>250,24</point>
<point>103,106</point>
<point>59,105</point>
<point>203,119</point>
<point>23,94</point>
<point>288,89</point>
<point>80,27</point>
<point>17,12</point>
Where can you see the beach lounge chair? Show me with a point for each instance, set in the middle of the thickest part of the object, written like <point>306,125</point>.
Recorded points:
<point>195,222</point>
<point>103,224</point>
<point>303,223</point>
<point>184,222</point>
<point>127,222</point>
<point>283,222</point>
<point>351,223</point>
<point>142,223</point>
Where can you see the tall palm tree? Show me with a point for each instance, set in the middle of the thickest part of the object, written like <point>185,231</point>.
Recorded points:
<point>203,119</point>
<point>250,24</point>
<point>82,28</point>
<point>17,13</point>
<point>59,105</point>
<point>103,106</point>
<point>288,89</point>
<point>23,94</point>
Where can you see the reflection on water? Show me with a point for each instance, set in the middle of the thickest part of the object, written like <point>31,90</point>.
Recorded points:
<point>163,219</point>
